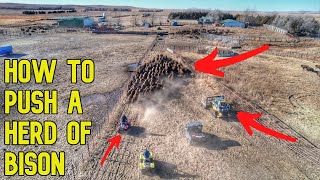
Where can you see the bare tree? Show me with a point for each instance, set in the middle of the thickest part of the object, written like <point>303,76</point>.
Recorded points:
<point>248,15</point>
<point>117,18</point>
<point>143,19</point>
<point>216,15</point>
<point>134,19</point>
<point>152,19</point>
<point>108,18</point>
<point>160,20</point>
<point>301,26</point>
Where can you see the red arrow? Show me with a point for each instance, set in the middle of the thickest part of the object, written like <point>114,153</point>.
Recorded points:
<point>208,65</point>
<point>115,141</point>
<point>247,120</point>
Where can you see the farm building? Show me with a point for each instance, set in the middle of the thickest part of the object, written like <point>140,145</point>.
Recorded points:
<point>233,23</point>
<point>146,24</point>
<point>74,21</point>
<point>206,20</point>
<point>102,19</point>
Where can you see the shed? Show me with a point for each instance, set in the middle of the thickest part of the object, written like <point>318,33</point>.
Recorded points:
<point>233,23</point>
<point>5,50</point>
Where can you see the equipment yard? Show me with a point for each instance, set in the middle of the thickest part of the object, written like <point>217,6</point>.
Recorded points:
<point>164,93</point>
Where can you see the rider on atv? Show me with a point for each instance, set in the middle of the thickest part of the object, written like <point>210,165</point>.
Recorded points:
<point>146,160</point>
<point>124,123</point>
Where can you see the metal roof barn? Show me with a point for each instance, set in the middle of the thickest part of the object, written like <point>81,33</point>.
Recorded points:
<point>74,21</point>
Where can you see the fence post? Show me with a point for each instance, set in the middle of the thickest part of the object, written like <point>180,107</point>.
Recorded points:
<point>72,169</point>
<point>88,148</point>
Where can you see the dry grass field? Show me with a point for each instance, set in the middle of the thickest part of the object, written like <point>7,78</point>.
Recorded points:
<point>229,153</point>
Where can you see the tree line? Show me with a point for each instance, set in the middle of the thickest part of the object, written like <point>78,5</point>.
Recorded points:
<point>55,8</point>
<point>47,12</point>
<point>108,9</point>
<point>297,25</point>
<point>150,10</point>
<point>192,15</point>
<point>38,8</point>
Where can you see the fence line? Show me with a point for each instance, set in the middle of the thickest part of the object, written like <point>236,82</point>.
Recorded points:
<point>18,32</point>
<point>238,39</point>
<point>298,55</point>
<point>276,29</point>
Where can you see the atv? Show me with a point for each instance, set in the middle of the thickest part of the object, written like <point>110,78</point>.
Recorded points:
<point>220,108</point>
<point>194,134</point>
<point>124,124</point>
<point>146,161</point>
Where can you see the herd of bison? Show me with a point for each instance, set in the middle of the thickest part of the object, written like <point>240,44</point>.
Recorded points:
<point>151,76</point>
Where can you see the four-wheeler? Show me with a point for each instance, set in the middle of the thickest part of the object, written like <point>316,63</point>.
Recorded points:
<point>124,124</point>
<point>219,106</point>
<point>193,131</point>
<point>146,161</point>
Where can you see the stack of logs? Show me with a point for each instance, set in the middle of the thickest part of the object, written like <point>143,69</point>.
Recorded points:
<point>151,76</point>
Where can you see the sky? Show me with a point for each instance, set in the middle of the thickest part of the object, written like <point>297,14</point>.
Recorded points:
<point>237,5</point>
